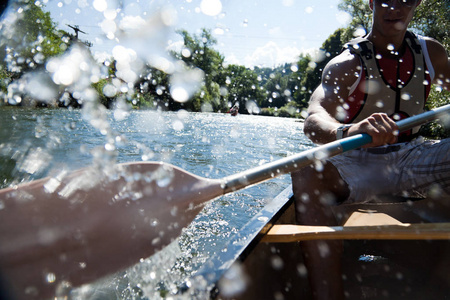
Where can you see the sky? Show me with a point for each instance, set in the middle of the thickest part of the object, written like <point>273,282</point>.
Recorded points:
<point>263,33</point>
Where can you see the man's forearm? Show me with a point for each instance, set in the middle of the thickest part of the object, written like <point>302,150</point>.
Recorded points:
<point>321,128</point>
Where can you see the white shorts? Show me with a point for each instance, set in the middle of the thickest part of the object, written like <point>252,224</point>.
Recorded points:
<point>419,166</point>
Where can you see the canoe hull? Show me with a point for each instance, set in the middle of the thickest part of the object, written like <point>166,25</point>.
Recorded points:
<point>373,269</point>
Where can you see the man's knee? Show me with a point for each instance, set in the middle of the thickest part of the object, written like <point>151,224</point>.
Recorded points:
<point>315,190</point>
<point>315,181</point>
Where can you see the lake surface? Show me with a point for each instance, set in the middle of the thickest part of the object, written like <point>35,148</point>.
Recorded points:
<point>39,142</point>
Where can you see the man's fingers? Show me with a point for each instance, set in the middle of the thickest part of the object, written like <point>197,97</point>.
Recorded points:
<point>382,129</point>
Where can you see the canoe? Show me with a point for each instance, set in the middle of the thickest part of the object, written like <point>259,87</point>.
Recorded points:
<point>397,249</point>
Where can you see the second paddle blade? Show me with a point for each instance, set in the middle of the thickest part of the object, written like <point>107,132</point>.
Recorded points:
<point>81,226</point>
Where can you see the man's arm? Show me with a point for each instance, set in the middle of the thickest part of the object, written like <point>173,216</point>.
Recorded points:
<point>326,110</point>
<point>441,63</point>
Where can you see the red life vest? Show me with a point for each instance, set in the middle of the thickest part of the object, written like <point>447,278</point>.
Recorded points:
<point>398,87</point>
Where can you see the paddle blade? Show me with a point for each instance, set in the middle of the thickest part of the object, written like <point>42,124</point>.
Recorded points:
<point>87,224</point>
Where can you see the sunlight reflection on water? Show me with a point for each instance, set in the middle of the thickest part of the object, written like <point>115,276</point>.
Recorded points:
<point>209,145</point>
<point>51,142</point>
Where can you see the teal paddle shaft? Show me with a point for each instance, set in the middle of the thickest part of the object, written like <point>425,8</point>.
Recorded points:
<point>297,161</point>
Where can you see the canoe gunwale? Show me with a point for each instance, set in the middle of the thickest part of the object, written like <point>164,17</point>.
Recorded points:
<point>243,243</point>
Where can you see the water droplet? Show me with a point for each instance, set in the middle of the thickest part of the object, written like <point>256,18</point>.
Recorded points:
<point>152,275</point>
<point>207,107</point>
<point>184,84</point>
<point>379,104</point>
<point>174,211</point>
<point>163,176</point>
<point>50,277</point>
<point>211,7</point>
<point>406,96</point>
<point>360,31</point>
<point>186,52</point>
<point>301,269</point>
<point>263,219</point>
<point>233,282</point>
<point>154,222</point>
<point>109,90</point>
<point>252,107</point>
<point>100,5</point>
<point>177,125</point>
<point>51,185</point>
<point>396,117</point>
<point>31,291</point>
<point>277,262</point>
<point>324,249</point>
<point>305,197</point>
<point>70,126</point>
<point>110,147</point>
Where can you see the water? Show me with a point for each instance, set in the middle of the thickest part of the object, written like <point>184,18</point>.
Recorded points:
<point>40,142</point>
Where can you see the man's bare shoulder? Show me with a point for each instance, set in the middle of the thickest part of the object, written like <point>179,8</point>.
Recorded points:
<point>435,49</point>
<point>431,42</point>
<point>337,79</point>
<point>440,61</point>
<point>344,68</point>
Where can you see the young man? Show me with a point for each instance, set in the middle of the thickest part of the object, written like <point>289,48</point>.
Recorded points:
<point>376,81</point>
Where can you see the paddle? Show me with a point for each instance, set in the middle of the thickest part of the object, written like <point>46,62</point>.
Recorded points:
<point>87,224</point>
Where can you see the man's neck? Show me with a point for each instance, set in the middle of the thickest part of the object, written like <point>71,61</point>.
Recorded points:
<point>389,47</point>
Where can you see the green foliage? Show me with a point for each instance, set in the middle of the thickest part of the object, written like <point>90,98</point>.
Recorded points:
<point>437,129</point>
<point>201,54</point>
<point>99,86</point>
<point>280,85</point>
<point>280,91</point>
<point>290,110</point>
<point>432,18</point>
<point>5,78</point>
<point>143,101</point>
<point>241,86</point>
<point>361,18</point>
<point>312,67</point>
<point>153,90</point>
<point>31,40</point>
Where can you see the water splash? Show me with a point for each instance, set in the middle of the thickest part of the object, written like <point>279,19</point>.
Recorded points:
<point>148,45</point>
<point>183,84</point>
<point>234,281</point>
<point>211,7</point>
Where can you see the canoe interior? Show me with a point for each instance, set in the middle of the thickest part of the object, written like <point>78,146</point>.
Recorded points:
<point>373,269</point>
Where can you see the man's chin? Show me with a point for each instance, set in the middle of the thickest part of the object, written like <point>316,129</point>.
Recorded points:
<point>399,25</point>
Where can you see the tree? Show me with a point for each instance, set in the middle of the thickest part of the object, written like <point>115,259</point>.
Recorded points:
<point>278,93</point>
<point>242,86</point>
<point>31,40</point>
<point>313,72</point>
<point>198,52</point>
<point>27,41</point>
<point>432,18</point>
<point>361,18</point>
